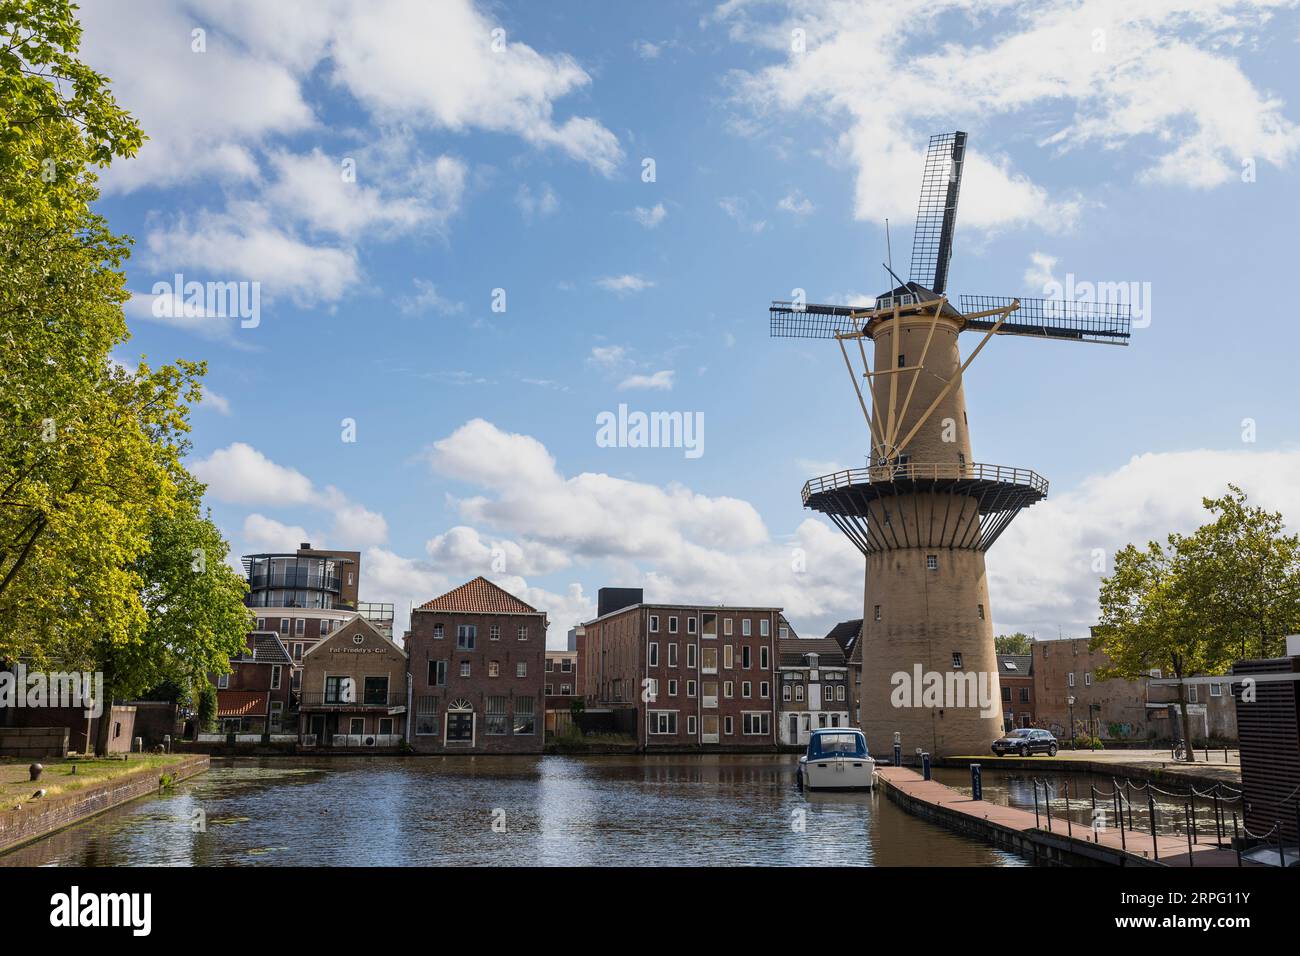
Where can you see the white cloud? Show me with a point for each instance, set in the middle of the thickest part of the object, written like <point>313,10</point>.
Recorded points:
<point>218,403</point>
<point>625,284</point>
<point>652,217</point>
<point>244,243</point>
<point>1039,273</point>
<point>660,381</point>
<point>607,356</point>
<point>736,210</point>
<point>1158,76</point>
<point>241,474</point>
<point>647,50</point>
<point>266,534</point>
<point>531,206</point>
<point>427,299</point>
<point>796,203</point>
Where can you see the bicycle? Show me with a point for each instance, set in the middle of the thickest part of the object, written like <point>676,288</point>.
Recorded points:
<point>1179,751</point>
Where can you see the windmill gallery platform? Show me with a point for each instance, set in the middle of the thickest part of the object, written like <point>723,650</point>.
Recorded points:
<point>1019,831</point>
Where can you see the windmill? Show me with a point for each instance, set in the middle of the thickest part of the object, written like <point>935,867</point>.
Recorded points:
<point>922,511</point>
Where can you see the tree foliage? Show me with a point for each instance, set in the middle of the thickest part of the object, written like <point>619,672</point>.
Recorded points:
<point>98,517</point>
<point>1017,643</point>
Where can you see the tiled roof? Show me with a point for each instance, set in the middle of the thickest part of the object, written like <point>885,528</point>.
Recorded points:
<point>269,649</point>
<point>479,596</point>
<point>1015,665</point>
<point>846,634</point>
<point>792,650</point>
<point>242,703</point>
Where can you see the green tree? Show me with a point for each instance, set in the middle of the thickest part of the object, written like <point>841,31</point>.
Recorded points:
<point>1244,574</point>
<point>1017,643</point>
<point>205,715</point>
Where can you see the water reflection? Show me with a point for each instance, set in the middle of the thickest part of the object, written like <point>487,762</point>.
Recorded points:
<point>573,811</point>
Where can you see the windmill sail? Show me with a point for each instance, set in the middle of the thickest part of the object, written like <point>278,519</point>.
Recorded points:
<point>1054,318</point>
<point>791,321</point>
<point>936,212</point>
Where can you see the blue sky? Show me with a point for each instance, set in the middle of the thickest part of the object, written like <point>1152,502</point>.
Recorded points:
<point>1151,147</point>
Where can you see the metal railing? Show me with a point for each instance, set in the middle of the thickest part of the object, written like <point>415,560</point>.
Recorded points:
<point>925,471</point>
<point>362,699</point>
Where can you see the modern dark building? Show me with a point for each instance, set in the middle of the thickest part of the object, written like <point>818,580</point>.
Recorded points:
<point>306,578</point>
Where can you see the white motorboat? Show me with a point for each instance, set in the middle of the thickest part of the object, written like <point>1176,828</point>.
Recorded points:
<point>837,759</point>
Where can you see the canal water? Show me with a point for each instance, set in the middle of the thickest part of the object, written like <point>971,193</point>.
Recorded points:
<point>702,810</point>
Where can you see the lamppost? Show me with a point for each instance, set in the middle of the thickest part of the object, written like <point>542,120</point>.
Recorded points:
<point>1070,700</point>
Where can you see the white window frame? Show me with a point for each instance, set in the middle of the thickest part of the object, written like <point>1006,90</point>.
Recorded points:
<point>652,654</point>
<point>654,623</point>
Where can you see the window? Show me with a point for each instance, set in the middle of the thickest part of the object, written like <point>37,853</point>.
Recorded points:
<point>426,716</point>
<point>261,624</point>
<point>326,625</point>
<point>730,725</point>
<point>1216,690</point>
<point>662,722</point>
<point>523,632</point>
<point>654,623</point>
<point>297,652</point>
<point>437,673</point>
<point>756,723</point>
<point>672,688</point>
<point>956,660</point>
<point>690,689</point>
<point>1024,695</point>
<point>784,632</point>
<point>549,665</point>
<point>566,665</point>
<point>296,680</point>
<point>1070,681</point>
<point>300,626</point>
<point>653,654</point>
<point>466,634</point>
<point>690,725</point>
<point>708,660</point>
<point>785,692</point>
<point>764,628</point>
<point>494,632</point>
<point>902,360</point>
<point>690,656</point>
<point>931,562</point>
<point>746,689</point>
<point>498,718</point>
<point>338,690</point>
<point>1006,694</point>
<point>284,625</point>
<point>652,688</point>
<point>745,656</point>
<point>672,654</point>
<point>762,657</point>
<point>764,690</point>
<point>839,692</point>
<point>709,625</point>
<point>521,669</point>
<point>690,625</point>
<point>877,614</point>
<point>357,726</point>
<point>728,656</point>
<point>437,632</point>
<point>566,690</point>
<point>548,689</point>
<point>672,624</point>
<point>726,626</point>
<point>275,677</point>
<point>464,668</point>
<point>798,691</point>
<point>494,669</point>
<point>1087,679</point>
<point>979,609</point>
<point>746,628</point>
<point>525,720</point>
<point>1193,694</point>
<point>223,682</point>
<point>728,689</point>
<point>376,691</point>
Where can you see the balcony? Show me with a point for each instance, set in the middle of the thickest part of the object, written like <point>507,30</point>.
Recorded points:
<point>321,700</point>
<point>300,579</point>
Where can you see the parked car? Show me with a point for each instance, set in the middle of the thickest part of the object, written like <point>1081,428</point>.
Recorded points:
<point>1024,742</point>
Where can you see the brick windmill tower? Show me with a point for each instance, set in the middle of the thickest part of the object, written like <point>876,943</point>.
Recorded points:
<point>923,512</point>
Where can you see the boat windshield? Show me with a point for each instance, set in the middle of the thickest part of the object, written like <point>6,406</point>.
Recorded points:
<point>831,745</point>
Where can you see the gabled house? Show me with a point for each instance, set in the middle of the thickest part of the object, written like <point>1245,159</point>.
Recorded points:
<point>848,635</point>
<point>254,696</point>
<point>815,688</point>
<point>354,689</point>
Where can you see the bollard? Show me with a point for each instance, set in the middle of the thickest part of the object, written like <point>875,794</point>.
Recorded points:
<point>1192,800</point>
<point>1236,839</point>
<point>1151,812</point>
<point>898,749</point>
<point>976,783</point>
<point>167,743</point>
<point>1036,823</point>
<point>139,745</point>
<point>1069,824</point>
<point>35,770</point>
<point>925,765</point>
<point>1187,820</point>
<point>1281,851</point>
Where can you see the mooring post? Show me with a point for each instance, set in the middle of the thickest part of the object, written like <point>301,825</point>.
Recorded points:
<point>925,765</point>
<point>1236,838</point>
<point>1192,800</point>
<point>1187,821</point>
<point>1036,821</point>
<point>976,783</point>
<point>898,749</point>
<point>1281,851</point>
<point>1151,812</point>
<point>1069,824</point>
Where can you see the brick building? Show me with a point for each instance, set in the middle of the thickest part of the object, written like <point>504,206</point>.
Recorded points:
<point>478,672</point>
<point>815,687</point>
<point>708,673</point>
<point>848,635</point>
<point>1118,709</point>
<point>254,696</point>
<point>561,689</point>
<point>1016,676</point>
<point>354,689</point>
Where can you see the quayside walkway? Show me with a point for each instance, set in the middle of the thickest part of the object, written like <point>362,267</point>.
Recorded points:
<point>1066,843</point>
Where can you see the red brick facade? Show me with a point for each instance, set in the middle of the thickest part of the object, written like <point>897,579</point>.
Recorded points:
<point>477,659</point>
<point>698,678</point>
